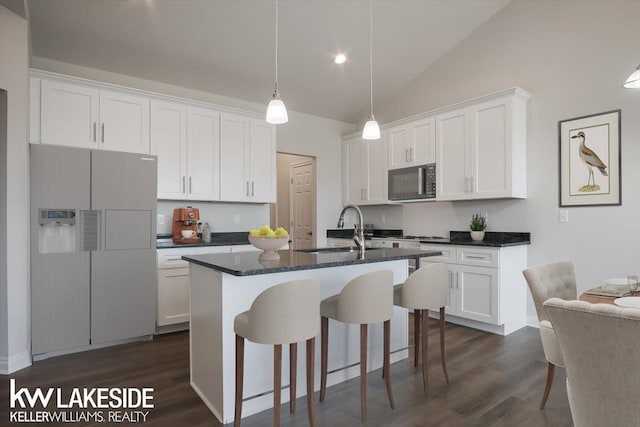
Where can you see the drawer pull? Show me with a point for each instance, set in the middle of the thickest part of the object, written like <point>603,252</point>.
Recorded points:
<point>177,275</point>
<point>475,257</point>
<point>174,259</point>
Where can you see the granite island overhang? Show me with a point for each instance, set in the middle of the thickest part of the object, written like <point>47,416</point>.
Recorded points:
<point>224,285</point>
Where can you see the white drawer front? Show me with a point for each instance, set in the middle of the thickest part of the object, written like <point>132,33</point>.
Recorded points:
<point>479,257</point>
<point>172,258</point>
<point>202,250</point>
<point>448,253</point>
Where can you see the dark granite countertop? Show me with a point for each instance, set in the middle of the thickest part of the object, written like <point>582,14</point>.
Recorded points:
<point>217,239</point>
<point>491,239</point>
<point>248,263</point>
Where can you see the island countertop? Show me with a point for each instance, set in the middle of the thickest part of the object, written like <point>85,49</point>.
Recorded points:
<point>249,263</point>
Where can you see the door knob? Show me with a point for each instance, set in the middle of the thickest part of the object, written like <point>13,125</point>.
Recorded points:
<point>310,233</point>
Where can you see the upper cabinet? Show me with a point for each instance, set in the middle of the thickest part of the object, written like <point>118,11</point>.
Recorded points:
<point>248,147</point>
<point>186,140</point>
<point>83,116</point>
<point>412,143</point>
<point>365,171</point>
<point>481,150</point>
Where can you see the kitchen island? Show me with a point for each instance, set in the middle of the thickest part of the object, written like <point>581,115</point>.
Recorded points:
<point>224,285</point>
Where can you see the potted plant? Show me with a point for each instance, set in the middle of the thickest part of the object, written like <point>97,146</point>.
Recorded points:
<point>478,225</point>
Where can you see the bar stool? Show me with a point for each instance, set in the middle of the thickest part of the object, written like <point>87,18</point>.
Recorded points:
<point>365,299</point>
<point>283,314</point>
<point>426,289</point>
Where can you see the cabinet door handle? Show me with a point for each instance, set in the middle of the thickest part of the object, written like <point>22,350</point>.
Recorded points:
<point>102,133</point>
<point>184,188</point>
<point>466,185</point>
<point>406,155</point>
<point>471,186</point>
<point>176,275</point>
<point>95,130</point>
<point>174,259</point>
<point>252,188</point>
<point>366,193</point>
<point>247,188</point>
<point>453,279</point>
<point>410,154</point>
<point>189,185</point>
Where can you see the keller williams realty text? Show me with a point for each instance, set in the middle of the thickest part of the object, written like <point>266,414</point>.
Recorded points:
<point>124,404</point>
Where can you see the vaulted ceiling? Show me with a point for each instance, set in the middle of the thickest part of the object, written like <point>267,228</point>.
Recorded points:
<point>227,46</point>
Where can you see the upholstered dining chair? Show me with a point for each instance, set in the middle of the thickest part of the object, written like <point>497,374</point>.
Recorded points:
<point>548,281</point>
<point>366,299</point>
<point>283,314</point>
<point>426,289</point>
<point>600,344</point>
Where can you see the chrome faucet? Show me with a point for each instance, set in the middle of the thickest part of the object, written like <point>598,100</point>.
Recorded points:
<point>358,237</point>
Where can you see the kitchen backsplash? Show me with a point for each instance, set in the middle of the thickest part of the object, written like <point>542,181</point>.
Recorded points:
<point>220,216</point>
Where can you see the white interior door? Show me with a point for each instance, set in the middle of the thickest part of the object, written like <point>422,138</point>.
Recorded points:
<point>302,202</point>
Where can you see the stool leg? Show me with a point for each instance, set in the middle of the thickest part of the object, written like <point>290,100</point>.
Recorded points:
<point>293,374</point>
<point>324,356</point>
<point>311,350</point>
<point>387,361</point>
<point>277,383</point>
<point>363,372</point>
<point>444,362</point>
<point>425,349</point>
<point>416,336</point>
<point>239,378</point>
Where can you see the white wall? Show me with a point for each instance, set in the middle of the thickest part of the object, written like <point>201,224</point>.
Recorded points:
<point>573,58</point>
<point>15,339</point>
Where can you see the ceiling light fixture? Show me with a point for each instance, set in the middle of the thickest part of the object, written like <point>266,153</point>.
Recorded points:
<point>276,111</point>
<point>371,129</point>
<point>633,81</point>
<point>340,58</point>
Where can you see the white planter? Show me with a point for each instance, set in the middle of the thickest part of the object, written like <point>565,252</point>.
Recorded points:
<point>477,236</point>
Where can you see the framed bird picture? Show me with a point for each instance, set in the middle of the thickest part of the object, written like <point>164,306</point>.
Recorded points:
<point>590,160</point>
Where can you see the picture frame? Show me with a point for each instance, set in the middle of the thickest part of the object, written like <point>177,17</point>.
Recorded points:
<point>590,160</point>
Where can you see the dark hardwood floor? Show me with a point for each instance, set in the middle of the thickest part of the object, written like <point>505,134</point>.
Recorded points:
<point>495,381</point>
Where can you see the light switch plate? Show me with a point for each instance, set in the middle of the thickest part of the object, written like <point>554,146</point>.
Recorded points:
<point>564,216</point>
<point>160,219</point>
<point>236,219</point>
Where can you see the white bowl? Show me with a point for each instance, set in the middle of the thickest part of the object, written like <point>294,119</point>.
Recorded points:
<point>187,233</point>
<point>618,284</point>
<point>268,243</point>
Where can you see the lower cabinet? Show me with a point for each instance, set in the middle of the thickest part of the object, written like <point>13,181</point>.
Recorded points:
<point>174,284</point>
<point>487,289</point>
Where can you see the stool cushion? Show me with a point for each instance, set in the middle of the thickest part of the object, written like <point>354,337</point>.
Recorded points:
<point>283,314</point>
<point>367,298</point>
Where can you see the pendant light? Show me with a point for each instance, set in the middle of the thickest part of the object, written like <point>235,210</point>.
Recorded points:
<point>276,111</point>
<point>633,81</point>
<point>371,129</point>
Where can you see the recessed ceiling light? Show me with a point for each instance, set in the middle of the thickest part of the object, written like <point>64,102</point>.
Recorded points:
<point>340,58</point>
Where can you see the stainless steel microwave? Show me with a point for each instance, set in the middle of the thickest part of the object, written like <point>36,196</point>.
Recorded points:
<point>414,183</point>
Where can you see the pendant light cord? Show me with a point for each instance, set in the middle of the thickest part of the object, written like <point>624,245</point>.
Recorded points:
<point>276,46</point>
<point>371,56</point>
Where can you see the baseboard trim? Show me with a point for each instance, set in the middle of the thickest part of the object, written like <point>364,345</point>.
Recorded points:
<point>14,363</point>
<point>532,320</point>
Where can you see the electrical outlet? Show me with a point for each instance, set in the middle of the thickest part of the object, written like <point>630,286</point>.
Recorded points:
<point>383,218</point>
<point>564,216</point>
<point>236,219</point>
<point>160,219</point>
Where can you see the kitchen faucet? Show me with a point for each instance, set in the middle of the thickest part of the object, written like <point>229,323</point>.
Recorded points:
<point>358,237</point>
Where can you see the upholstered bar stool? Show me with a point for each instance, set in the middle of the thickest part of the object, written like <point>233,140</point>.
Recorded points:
<point>283,314</point>
<point>365,299</point>
<point>426,289</point>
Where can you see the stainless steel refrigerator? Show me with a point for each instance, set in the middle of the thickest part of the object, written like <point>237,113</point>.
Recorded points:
<point>93,247</point>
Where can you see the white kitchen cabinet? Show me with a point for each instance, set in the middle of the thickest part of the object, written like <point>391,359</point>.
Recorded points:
<point>412,143</point>
<point>365,171</point>
<point>248,153</point>
<point>85,116</point>
<point>487,289</point>
<point>481,149</point>
<point>68,114</point>
<point>124,122</point>
<point>168,142</point>
<point>186,140</point>
<point>203,154</point>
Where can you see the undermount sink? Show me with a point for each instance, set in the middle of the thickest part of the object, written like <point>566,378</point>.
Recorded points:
<point>333,250</point>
